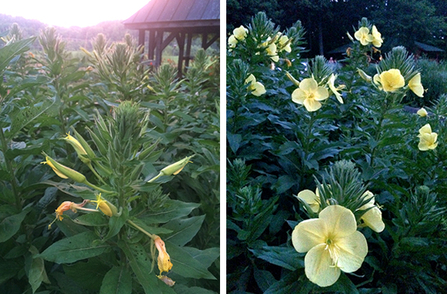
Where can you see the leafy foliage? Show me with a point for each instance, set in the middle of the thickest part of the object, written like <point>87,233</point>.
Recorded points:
<point>276,148</point>
<point>106,241</point>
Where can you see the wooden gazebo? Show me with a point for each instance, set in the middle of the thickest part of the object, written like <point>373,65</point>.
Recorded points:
<point>166,20</point>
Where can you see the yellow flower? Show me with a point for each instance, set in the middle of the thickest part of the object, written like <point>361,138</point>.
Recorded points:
<point>373,217</point>
<point>376,37</point>
<point>240,33</point>
<point>311,198</point>
<point>163,260</point>
<point>363,36</point>
<point>415,85</point>
<point>67,205</point>
<point>310,94</point>
<point>255,87</point>
<point>284,44</point>
<point>390,80</point>
<point>232,42</point>
<point>422,112</point>
<point>104,205</point>
<point>273,52</point>
<point>332,243</point>
<point>334,90</point>
<point>427,138</point>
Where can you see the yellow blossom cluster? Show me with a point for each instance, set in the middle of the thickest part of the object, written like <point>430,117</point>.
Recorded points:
<point>332,241</point>
<point>366,37</point>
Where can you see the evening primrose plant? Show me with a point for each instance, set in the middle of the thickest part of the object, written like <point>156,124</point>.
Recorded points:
<point>125,215</point>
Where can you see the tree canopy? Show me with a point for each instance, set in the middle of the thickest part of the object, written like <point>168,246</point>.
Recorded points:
<point>327,21</point>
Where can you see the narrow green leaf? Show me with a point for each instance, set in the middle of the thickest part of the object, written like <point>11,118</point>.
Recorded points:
<point>282,256</point>
<point>184,229</point>
<point>74,248</point>
<point>11,224</point>
<point>117,281</point>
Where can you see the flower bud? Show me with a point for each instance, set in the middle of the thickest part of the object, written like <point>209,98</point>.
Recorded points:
<point>364,76</point>
<point>82,154</point>
<point>64,171</point>
<point>422,112</point>
<point>176,167</point>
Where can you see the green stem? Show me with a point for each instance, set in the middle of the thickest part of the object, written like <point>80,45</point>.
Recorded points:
<point>154,178</point>
<point>14,184</point>
<point>97,188</point>
<point>95,173</point>
<point>142,230</point>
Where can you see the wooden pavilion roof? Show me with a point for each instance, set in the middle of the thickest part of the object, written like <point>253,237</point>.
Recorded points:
<point>188,15</point>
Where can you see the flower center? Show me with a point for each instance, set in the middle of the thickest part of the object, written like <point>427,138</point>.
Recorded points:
<point>333,251</point>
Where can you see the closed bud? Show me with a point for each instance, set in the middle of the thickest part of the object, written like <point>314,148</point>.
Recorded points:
<point>364,76</point>
<point>64,171</point>
<point>176,167</point>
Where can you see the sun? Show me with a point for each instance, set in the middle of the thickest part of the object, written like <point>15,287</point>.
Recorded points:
<point>81,13</point>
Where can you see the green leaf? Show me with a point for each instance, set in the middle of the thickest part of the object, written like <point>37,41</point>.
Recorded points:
<point>7,53</point>
<point>75,248</point>
<point>91,219</point>
<point>206,257</point>
<point>116,223</point>
<point>141,265</point>
<point>173,209</point>
<point>8,269</point>
<point>11,224</point>
<point>117,281</point>
<point>88,274</point>
<point>184,229</point>
<point>185,264</point>
<point>182,289</point>
<point>37,273</point>
<point>284,257</point>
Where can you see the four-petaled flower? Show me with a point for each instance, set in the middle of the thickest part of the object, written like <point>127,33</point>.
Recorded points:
<point>390,80</point>
<point>427,138</point>
<point>363,36</point>
<point>332,243</point>
<point>310,94</point>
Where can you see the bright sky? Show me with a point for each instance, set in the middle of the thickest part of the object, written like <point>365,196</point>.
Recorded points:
<point>80,13</point>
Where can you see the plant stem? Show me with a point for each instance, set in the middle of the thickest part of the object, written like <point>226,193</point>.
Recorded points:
<point>142,230</point>
<point>14,184</point>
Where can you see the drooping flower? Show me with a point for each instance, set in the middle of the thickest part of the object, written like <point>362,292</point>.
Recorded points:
<point>311,198</point>
<point>331,84</point>
<point>310,94</point>
<point>332,243</point>
<point>376,37</point>
<point>427,138</point>
<point>69,205</point>
<point>415,85</point>
<point>167,280</point>
<point>363,36</point>
<point>390,80</point>
<point>163,260</point>
<point>255,87</point>
<point>422,112</point>
<point>373,217</point>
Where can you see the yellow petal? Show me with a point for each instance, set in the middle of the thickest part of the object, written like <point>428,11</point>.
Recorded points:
<point>426,129</point>
<point>321,94</point>
<point>422,112</point>
<point>259,89</point>
<point>352,252</point>
<point>339,220</point>
<point>415,85</point>
<point>298,96</point>
<point>312,105</point>
<point>310,198</point>
<point>319,267</point>
<point>308,233</point>
<point>373,219</point>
